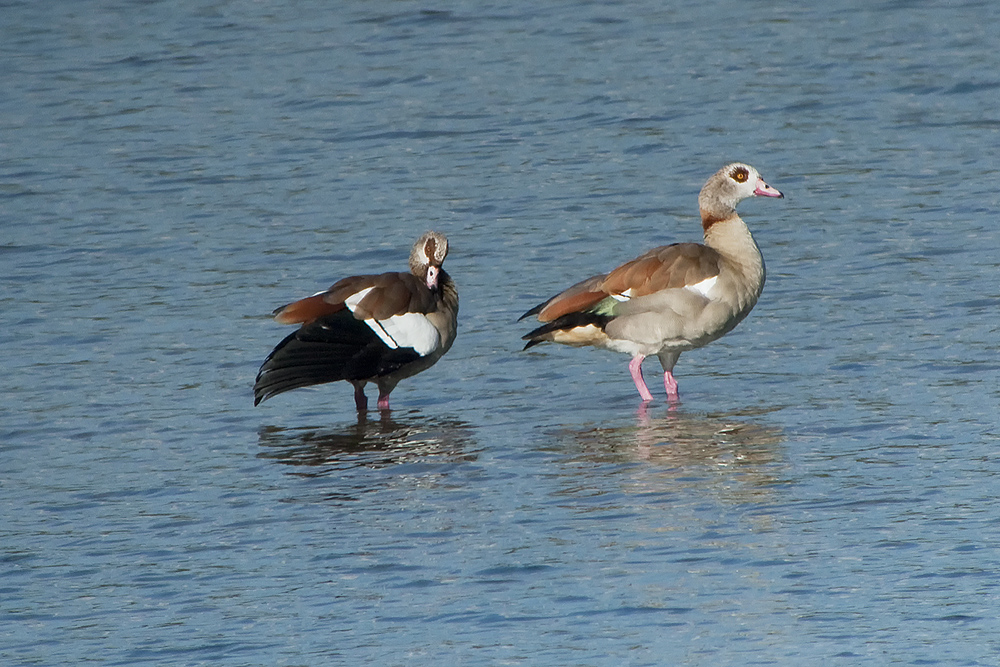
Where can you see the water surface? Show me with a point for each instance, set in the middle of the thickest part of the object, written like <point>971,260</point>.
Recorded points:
<point>825,493</point>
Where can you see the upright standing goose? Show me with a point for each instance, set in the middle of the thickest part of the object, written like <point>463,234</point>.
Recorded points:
<point>371,328</point>
<point>673,298</point>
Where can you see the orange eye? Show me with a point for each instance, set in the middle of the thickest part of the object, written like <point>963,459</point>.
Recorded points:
<point>740,175</point>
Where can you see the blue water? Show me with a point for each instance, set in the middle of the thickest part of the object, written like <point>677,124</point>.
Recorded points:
<point>825,493</point>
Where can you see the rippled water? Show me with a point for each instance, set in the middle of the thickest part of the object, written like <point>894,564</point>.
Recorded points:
<point>826,492</point>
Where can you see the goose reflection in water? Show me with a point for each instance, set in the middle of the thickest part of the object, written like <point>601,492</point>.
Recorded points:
<point>741,460</point>
<point>368,443</point>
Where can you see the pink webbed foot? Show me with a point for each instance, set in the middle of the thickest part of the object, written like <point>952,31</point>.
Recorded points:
<point>635,369</point>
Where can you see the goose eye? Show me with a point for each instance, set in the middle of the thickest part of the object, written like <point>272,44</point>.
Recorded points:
<point>740,175</point>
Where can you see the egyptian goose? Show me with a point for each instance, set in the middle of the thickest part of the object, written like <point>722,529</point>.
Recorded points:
<point>373,328</point>
<point>673,298</point>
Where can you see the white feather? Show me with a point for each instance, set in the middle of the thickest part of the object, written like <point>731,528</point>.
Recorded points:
<point>352,301</point>
<point>704,287</point>
<point>624,296</point>
<point>407,330</point>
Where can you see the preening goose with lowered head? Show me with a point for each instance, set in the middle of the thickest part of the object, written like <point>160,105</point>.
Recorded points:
<point>371,328</point>
<point>673,298</point>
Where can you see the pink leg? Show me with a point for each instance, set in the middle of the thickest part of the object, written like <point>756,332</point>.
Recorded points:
<point>670,384</point>
<point>635,368</point>
<point>360,400</point>
<point>383,401</point>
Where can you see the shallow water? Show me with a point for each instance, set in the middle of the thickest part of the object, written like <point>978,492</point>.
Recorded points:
<point>825,492</point>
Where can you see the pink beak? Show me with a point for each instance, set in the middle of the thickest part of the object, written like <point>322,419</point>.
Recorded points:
<point>765,190</point>
<point>432,277</point>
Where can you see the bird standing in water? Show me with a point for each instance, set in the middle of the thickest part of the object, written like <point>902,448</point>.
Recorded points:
<point>673,298</point>
<point>371,328</point>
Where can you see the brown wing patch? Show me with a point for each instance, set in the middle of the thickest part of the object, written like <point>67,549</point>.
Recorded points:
<point>666,267</point>
<point>391,294</point>
<point>345,287</point>
<point>395,294</point>
<point>306,310</point>
<point>579,297</point>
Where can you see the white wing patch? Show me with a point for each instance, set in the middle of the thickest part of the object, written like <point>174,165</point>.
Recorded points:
<point>624,296</point>
<point>352,301</point>
<point>407,330</point>
<point>704,287</point>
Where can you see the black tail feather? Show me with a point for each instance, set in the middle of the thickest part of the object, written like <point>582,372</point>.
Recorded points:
<point>335,347</point>
<point>534,311</point>
<point>568,321</point>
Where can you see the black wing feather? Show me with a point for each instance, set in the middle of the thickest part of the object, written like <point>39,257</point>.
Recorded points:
<point>333,347</point>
